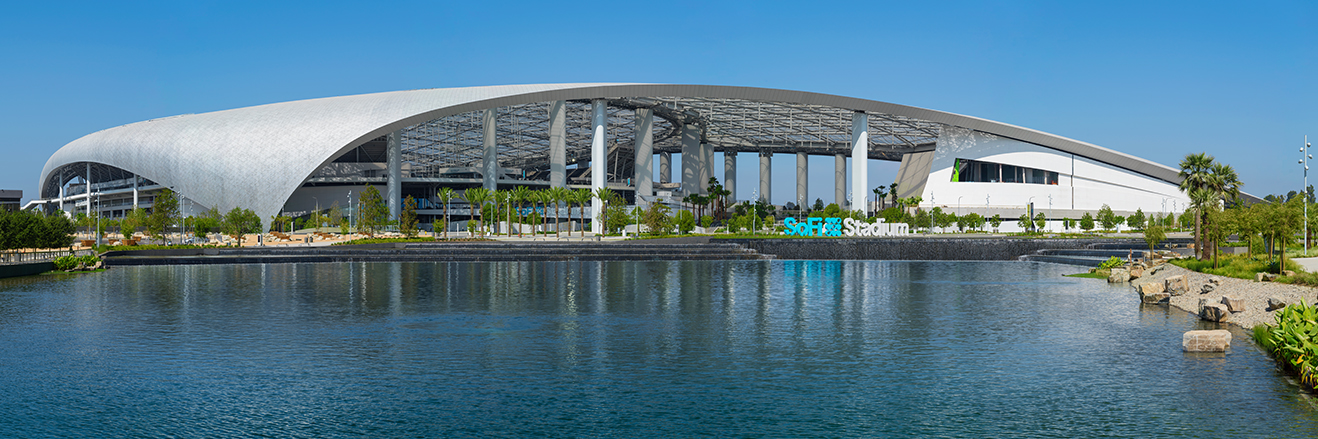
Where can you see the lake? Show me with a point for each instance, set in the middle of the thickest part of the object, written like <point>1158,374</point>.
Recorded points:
<point>608,349</point>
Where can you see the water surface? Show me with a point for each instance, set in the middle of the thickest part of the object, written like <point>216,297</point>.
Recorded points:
<point>600,349</point>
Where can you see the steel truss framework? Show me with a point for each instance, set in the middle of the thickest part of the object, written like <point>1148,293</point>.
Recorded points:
<point>453,144</point>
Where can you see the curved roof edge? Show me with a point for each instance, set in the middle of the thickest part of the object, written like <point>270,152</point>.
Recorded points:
<point>223,158</point>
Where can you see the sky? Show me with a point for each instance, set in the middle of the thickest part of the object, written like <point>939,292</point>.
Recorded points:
<point>1157,80</point>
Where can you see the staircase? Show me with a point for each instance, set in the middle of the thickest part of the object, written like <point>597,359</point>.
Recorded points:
<point>1093,255</point>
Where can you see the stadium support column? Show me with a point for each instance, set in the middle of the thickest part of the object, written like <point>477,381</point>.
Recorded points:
<point>643,167</point>
<point>394,163</point>
<point>598,162</point>
<point>802,179</point>
<point>840,180</point>
<point>693,160</point>
<point>765,171</point>
<point>665,167</point>
<point>860,154</point>
<point>558,144</point>
<point>490,164</point>
<point>730,174</point>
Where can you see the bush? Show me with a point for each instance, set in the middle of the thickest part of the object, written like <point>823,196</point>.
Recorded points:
<point>1291,342</point>
<point>70,262</point>
<point>685,221</point>
<point>1112,262</point>
<point>27,229</point>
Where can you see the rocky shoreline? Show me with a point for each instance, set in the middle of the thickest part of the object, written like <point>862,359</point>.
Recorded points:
<point>1250,295</point>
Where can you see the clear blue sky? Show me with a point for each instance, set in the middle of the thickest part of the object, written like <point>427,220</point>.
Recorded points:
<point>1153,79</point>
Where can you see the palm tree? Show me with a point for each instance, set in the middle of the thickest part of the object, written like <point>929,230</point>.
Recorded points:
<point>476,198</point>
<point>520,195</point>
<point>445,194</point>
<point>1196,173</point>
<point>606,196</point>
<point>559,195</point>
<point>582,197</point>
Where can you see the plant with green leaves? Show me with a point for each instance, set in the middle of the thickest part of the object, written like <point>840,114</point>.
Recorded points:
<point>996,221</point>
<point>1111,262</point>
<point>1040,221</point>
<point>164,209</point>
<point>1106,218</point>
<point>374,214</point>
<point>685,221</point>
<point>1086,222</point>
<point>1024,222</point>
<point>407,219</point>
<point>476,198</point>
<point>1153,236</point>
<point>1136,220</point>
<point>445,194</point>
<point>1293,341</point>
<point>657,220</point>
<point>240,221</point>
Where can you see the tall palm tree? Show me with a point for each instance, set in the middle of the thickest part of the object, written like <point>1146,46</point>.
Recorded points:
<point>561,195</point>
<point>445,194</point>
<point>476,198</point>
<point>606,197</point>
<point>520,195</point>
<point>582,197</point>
<point>1196,173</point>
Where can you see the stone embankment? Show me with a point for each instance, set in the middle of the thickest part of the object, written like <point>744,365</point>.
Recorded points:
<point>1240,302</point>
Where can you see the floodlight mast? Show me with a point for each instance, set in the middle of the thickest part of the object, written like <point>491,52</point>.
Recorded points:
<point>1304,191</point>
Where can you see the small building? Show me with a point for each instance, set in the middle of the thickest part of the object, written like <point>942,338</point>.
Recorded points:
<point>9,199</point>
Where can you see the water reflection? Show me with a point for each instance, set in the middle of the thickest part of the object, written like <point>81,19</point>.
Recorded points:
<point>781,348</point>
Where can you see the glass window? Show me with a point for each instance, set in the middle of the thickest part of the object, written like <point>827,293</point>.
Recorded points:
<point>965,170</point>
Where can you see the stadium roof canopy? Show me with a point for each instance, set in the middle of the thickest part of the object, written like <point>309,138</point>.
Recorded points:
<point>255,157</point>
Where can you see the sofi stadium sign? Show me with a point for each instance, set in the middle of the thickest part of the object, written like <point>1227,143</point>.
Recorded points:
<point>840,227</point>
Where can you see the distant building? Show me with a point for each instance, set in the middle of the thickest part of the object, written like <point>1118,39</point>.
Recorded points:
<point>9,199</point>
<point>295,157</point>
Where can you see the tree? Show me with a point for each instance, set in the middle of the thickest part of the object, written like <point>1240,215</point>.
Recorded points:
<point>1024,222</point>
<point>476,199</point>
<point>560,195</point>
<point>656,218</point>
<point>1153,236</point>
<point>240,221</point>
<point>878,196</point>
<point>1040,221</point>
<point>685,221</point>
<point>1087,222</point>
<point>445,194</point>
<point>819,204</point>
<point>996,221</point>
<point>407,219</point>
<point>892,191</point>
<point>374,213</point>
<point>164,209</point>
<point>1106,218</point>
<point>606,197</point>
<point>1136,220</point>
<point>519,195</point>
<point>1196,174</point>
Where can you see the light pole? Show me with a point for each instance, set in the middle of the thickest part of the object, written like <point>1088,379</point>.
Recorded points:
<point>755,211</point>
<point>349,210</point>
<point>1304,191</point>
<point>317,215</point>
<point>1050,208</point>
<point>1028,214</point>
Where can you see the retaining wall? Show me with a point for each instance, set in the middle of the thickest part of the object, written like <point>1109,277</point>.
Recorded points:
<point>915,249</point>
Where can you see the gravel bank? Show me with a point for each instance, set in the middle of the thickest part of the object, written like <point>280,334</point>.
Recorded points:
<point>1255,294</point>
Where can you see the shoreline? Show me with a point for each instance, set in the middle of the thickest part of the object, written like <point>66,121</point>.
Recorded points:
<point>1254,294</point>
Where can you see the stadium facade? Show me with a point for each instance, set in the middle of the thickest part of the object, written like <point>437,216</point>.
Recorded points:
<point>294,157</point>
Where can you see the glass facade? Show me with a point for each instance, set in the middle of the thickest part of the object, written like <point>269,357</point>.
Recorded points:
<point>967,170</point>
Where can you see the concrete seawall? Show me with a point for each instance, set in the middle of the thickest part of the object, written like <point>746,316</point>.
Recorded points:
<point>915,249</point>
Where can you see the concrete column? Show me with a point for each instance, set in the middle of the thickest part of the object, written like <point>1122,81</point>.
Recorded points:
<point>693,160</point>
<point>665,167</point>
<point>88,192</point>
<point>643,167</point>
<point>765,174</point>
<point>558,144</point>
<point>61,196</point>
<point>490,164</point>
<point>840,180</point>
<point>860,154</point>
<point>598,162</point>
<point>706,168</point>
<point>394,168</point>
<point>134,191</point>
<point>802,178</point>
<point>730,175</point>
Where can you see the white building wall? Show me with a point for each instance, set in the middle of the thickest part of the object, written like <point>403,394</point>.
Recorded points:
<point>1083,184</point>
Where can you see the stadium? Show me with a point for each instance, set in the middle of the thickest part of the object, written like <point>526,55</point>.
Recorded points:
<point>291,158</point>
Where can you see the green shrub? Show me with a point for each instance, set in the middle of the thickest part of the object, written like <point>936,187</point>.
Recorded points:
<point>70,262</point>
<point>1112,262</point>
<point>1292,341</point>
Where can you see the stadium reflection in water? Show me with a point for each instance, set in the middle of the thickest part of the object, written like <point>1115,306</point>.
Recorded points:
<point>781,348</point>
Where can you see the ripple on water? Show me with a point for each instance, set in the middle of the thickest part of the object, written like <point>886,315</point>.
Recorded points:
<point>748,348</point>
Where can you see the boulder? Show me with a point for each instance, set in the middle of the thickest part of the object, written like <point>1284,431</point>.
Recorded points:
<point>1233,304</point>
<point>1215,312</point>
<point>1136,271</point>
<point>1206,341</point>
<point>1207,288</point>
<point>1258,277</point>
<point>1275,304</point>
<point>1152,292</point>
<point>1215,281</point>
<point>1118,275</point>
<point>1287,272</point>
<point>1175,285</point>
<point>99,265</point>
<point>1269,277</point>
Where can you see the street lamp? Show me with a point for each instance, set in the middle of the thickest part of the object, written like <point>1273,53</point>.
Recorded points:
<point>350,209</point>
<point>1028,214</point>
<point>1304,191</point>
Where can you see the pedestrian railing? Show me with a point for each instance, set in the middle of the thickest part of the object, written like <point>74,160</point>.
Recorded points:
<point>19,257</point>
